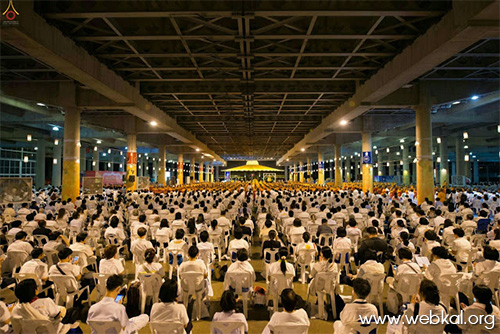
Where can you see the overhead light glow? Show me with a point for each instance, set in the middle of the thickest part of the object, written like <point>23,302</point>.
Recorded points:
<point>388,150</point>
<point>109,165</point>
<point>466,158</point>
<point>28,137</point>
<point>54,161</point>
<point>25,159</point>
<point>56,142</point>
<point>109,151</point>
<point>466,146</point>
<point>302,149</point>
<point>104,154</point>
<point>55,128</point>
<point>474,97</point>
<point>40,104</point>
<point>99,141</point>
<point>402,147</point>
<point>401,140</point>
<point>121,165</point>
<point>466,135</point>
<point>197,149</point>
<point>343,122</point>
<point>456,102</point>
<point>95,148</point>
<point>438,139</point>
<point>374,147</point>
<point>153,123</point>
<point>93,163</point>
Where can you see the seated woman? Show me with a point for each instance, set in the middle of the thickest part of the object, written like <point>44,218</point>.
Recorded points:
<point>241,265</point>
<point>111,264</point>
<point>482,306</point>
<point>30,307</point>
<point>306,244</point>
<point>167,309</point>
<point>282,266</point>
<point>163,233</point>
<point>228,305</point>
<point>325,265</point>
<point>150,267</point>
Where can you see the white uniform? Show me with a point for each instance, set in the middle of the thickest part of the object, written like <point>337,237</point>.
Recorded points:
<point>108,310</point>
<point>297,317</point>
<point>169,312</point>
<point>352,312</point>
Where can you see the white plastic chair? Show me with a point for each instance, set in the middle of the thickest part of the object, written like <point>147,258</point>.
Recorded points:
<point>17,259</point>
<point>216,240</point>
<point>325,284</point>
<point>326,239</point>
<point>226,327</point>
<point>342,257</point>
<point>479,328</point>
<point>28,326</point>
<point>354,242</point>
<point>492,280</point>
<point>192,284</point>
<point>408,285</point>
<point>448,287</point>
<point>100,283</point>
<point>171,327</point>
<point>240,281</point>
<point>305,259</point>
<point>51,257</point>
<point>67,289</point>
<point>361,328</point>
<point>270,256</point>
<point>377,290</point>
<point>22,276</point>
<point>40,240</point>
<point>289,329</point>
<point>150,287</point>
<point>175,254</point>
<point>108,327</point>
<point>277,284</point>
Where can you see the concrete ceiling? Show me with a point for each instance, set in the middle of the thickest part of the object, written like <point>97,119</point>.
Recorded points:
<point>255,79</point>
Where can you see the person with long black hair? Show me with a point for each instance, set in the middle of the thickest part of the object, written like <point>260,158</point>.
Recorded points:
<point>282,266</point>
<point>427,303</point>
<point>228,305</point>
<point>325,264</point>
<point>482,306</point>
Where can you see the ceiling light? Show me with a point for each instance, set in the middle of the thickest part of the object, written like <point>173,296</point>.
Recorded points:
<point>374,147</point>
<point>95,148</point>
<point>417,143</point>
<point>456,102</point>
<point>36,148</point>
<point>54,161</point>
<point>99,141</point>
<point>153,123</point>
<point>466,158</point>
<point>109,164</point>
<point>93,163</point>
<point>28,137</point>
<point>438,159</point>
<point>401,140</point>
<point>56,142</point>
<point>126,147</point>
<point>197,149</point>
<point>474,97</point>
<point>109,151</point>
<point>438,139</point>
<point>343,122</point>
<point>121,165</point>
<point>388,150</point>
<point>402,147</point>
<point>289,159</point>
<point>121,152</point>
<point>498,128</point>
<point>104,154</point>
<point>55,128</point>
<point>466,146</point>
<point>40,104</point>
<point>25,159</point>
<point>302,149</point>
<point>466,135</point>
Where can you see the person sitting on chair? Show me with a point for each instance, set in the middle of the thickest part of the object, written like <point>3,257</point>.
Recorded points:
<point>109,310</point>
<point>167,309</point>
<point>290,316</point>
<point>228,305</point>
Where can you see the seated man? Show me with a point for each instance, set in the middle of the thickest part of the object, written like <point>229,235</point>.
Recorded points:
<point>35,265</point>
<point>441,265</point>
<point>372,244</point>
<point>109,310</point>
<point>358,308</point>
<point>167,309</point>
<point>461,246</point>
<point>21,244</point>
<point>42,229</point>
<point>83,247</point>
<point>290,315</point>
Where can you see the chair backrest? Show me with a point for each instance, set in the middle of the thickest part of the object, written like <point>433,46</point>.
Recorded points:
<point>326,239</point>
<point>40,239</point>
<point>296,238</point>
<point>281,282</point>
<point>342,255</point>
<point>271,255</point>
<point>206,255</point>
<point>306,256</point>
<point>171,327</point>
<point>51,256</point>
<point>112,239</point>
<point>107,327</point>
<point>361,328</point>
<point>325,281</point>
<point>409,283</point>
<point>65,284</point>
<point>480,327</point>
<point>21,277</point>
<point>491,279</point>
<point>82,258</point>
<point>191,281</point>
<point>226,327</point>
<point>100,282</point>
<point>448,284</point>
<point>28,326</point>
<point>376,283</point>
<point>150,283</point>
<point>289,329</point>
<point>17,257</point>
<point>239,280</point>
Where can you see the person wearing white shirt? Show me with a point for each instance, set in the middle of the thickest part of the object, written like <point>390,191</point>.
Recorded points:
<point>114,230</point>
<point>167,309</point>
<point>81,247</point>
<point>149,266</point>
<point>440,264</point>
<point>341,242</point>
<point>139,246</point>
<point>358,308</point>
<point>15,227</point>
<point>290,315</point>
<point>228,305</point>
<point>460,247</point>
<point>429,243</point>
<point>193,264</point>
<point>483,308</point>
<point>35,265</point>
<point>20,244</point>
<point>238,242</point>
<point>490,264</point>
<point>110,264</point>
<point>66,265</point>
<point>324,265</point>
<point>282,267</point>
<point>110,310</point>
<point>240,265</point>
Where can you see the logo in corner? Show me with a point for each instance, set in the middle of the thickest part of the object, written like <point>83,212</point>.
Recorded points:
<point>11,12</point>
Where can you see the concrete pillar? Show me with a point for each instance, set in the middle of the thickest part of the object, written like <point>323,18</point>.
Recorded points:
<point>200,172</point>
<point>294,173</point>
<point>40,164</point>
<point>366,143</point>
<point>71,153</point>
<point>162,159</point>
<point>338,165</point>
<point>321,168</point>
<point>444,175</point>
<point>301,172</point>
<point>331,173</point>
<point>211,168</point>
<point>460,162</point>
<point>286,173</point>
<point>83,159</point>
<point>468,168</point>
<point>155,169</point>
<point>391,166</point>
<point>131,181</point>
<point>56,164</point>
<point>475,178</point>
<point>180,169</point>
<point>217,175</point>
<point>308,175</point>
<point>348,170</point>
<point>425,180</point>
<point>380,163</point>
<point>95,160</point>
<point>406,165</point>
<point>193,161</point>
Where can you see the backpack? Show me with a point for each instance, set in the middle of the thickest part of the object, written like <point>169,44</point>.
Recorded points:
<point>134,300</point>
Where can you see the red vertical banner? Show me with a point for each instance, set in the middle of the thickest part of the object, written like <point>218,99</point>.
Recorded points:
<point>131,158</point>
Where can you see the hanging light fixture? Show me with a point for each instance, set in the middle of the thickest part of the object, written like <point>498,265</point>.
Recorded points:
<point>25,159</point>
<point>56,142</point>
<point>28,137</point>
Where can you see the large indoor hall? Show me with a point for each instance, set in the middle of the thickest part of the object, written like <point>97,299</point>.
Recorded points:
<point>249,167</point>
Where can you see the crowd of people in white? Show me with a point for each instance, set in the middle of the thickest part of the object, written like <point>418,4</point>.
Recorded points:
<point>436,257</point>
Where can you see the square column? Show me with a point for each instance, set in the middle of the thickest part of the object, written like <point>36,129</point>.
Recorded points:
<point>347,163</point>
<point>162,157</point>
<point>71,154</point>
<point>56,163</point>
<point>309,170</point>
<point>425,177</point>
<point>83,160</point>
<point>301,172</point>
<point>444,175</point>
<point>192,169</point>
<point>131,180</point>
<point>367,169</point>
<point>460,156</point>
<point>406,165</point>
<point>95,159</point>
<point>180,169</point>
<point>338,165</point>
<point>200,172</point>
<point>40,164</point>
<point>321,168</point>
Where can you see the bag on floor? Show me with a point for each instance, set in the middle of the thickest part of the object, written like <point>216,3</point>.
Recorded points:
<point>259,296</point>
<point>133,306</point>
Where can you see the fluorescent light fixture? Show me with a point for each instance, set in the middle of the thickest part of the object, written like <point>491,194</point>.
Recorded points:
<point>40,104</point>
<point>109,151</point>
<point>197,149</point>
<point>99,141</point>
<point>417,143</point>
<point>466,157</point>
<point>388,164</point>
<point>343,122</point>
<point>466,135</point>
<point>36,148</point>
<point>401,162</point>
<point>401,140</point>
<point>55,128</point>
<point>474,97</point>
<point>56,142</point>
<point>25,159</point>
<point>438,140</point>
<point>402,147</point>
<point>109,164</point>
<point>95,148</point>
<point>121,165</point>
<point>466,147</point>
<point>374,147</point>
<point>153,123</point>
<point>456,102</point>
<point>54,161</point>
<point>121,152</point>
<point>93,163</point>
<point>302,149</point>
<point>104,154</point>
<point>438,159</point>
<point>388,150</point>
<point>28,137</point>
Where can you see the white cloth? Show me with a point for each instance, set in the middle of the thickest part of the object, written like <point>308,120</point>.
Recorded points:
<point>111,266</point>
<point>169,312</point>
<point>108,310</point>
<point>297,317</point>
<point>231,316</point>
